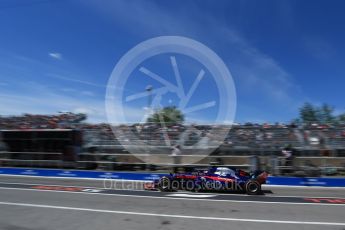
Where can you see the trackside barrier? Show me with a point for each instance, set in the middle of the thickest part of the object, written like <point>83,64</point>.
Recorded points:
<point>80,174</point>
<point>289,181</point>
<point>307,181</point>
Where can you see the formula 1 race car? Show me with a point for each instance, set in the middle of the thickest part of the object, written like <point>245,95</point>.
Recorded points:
<point>211,179</point>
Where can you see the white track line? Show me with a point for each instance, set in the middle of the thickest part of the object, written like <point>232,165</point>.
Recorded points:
<point>173,198</point>
<point>79,186</point>
<point>302,187</point>
<point>173,216</point>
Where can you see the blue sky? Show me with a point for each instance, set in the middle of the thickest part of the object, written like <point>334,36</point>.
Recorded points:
<point>57,55</point>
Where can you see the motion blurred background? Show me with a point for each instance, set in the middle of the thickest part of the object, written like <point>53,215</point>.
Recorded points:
<point>285,57</point>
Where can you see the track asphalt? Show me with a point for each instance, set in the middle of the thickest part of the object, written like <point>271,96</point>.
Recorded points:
<point>32,203</point>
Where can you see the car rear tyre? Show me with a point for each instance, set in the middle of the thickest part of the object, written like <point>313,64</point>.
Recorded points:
<point>253,187</point>
<point>190,186</point>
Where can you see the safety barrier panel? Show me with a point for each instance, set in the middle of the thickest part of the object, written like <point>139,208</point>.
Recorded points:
<point>307,181</point>
<point>289,181</point>
<point>80,174</point>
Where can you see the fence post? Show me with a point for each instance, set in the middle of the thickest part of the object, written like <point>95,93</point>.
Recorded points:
<point>274,165</point>
<point>255,163</point>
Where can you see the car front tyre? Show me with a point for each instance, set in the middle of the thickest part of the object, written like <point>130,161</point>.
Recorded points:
<point>167,185</point>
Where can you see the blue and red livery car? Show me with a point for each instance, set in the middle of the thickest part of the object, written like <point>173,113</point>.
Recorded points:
<point>211,179</point>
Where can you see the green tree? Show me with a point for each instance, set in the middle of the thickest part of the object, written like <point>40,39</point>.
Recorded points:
<point>341,117</point>
<point>308,113</point>
<point>168,114</point>
<point>319,114</point>
<point>325,114</point>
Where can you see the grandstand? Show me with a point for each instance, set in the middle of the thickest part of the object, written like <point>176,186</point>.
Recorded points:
<point>152,143</point>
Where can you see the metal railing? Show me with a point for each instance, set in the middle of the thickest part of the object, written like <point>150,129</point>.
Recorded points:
<point>301,166</point>
<point>31,159</point>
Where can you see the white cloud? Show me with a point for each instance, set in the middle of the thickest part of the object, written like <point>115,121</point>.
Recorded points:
<point>56,55</point>
<point>71,79</point>
<point>78,92</point>
<point>253,64</point>
<point>76,80</point>
<point>258,76</point>
<point>68,90</point>
<point>87,93</point>
<point>40,99</point>
<point>253,70</point>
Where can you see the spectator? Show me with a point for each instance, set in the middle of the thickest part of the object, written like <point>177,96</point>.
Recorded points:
<point>288,154</point>
<point>176,155</point>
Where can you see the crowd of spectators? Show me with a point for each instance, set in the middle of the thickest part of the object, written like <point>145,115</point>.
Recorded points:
<point>250,135</point>
<point>30,121</point>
